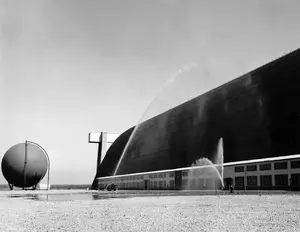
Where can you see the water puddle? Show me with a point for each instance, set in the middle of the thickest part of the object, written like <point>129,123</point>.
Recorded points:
<point>102,195</point>
<point>66,197</point>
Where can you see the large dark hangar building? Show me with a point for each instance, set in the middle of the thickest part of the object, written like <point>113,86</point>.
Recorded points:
<point>257,116</point>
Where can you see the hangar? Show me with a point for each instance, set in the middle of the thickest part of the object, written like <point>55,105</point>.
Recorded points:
<point>256,116</point>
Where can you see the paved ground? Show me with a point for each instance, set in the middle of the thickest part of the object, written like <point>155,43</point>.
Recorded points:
<point>157,211</point>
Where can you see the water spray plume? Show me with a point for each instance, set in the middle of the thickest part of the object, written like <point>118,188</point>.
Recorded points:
<point>208,170</point>
<point>148,114</point>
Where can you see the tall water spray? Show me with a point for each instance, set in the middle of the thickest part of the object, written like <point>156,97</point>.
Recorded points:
<point>187,83</point>
<point>219,159</point>
<point>208,174</point>
<point>170,95</point>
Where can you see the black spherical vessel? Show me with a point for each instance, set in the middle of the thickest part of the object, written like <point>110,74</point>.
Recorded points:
<point>24,165</point>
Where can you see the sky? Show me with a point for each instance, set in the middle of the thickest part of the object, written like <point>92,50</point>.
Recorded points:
<point>70,67</point>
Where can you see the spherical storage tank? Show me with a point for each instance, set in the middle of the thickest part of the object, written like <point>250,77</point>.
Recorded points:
<point>24,165</point>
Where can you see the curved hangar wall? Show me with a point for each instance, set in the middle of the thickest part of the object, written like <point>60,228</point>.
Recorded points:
<point>257,115</point>
<point>24,168</point>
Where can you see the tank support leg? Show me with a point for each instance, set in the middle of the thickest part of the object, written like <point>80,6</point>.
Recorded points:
<point>11,186</point>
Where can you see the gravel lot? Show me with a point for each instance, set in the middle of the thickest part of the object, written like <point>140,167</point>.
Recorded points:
<point>278,212</point>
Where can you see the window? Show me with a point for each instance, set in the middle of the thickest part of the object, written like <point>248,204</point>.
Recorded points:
<point>252,180</point>
<point>193,183</point>
<point>281,180</point>
<point>172,174</point>
<point>239,169</point>
<point>281,165</point>
<point>185,173</point>
<point>160,184</point>
<point>251,168</point>
<point>239,181</point>
<point>263,167</point>
<point>200,182</point>
<point>194,173</point>
<point>266,180</point>
<point>184,182</point>
<point>295,164</point>
<point>172,183</point>
<point>295,180</point>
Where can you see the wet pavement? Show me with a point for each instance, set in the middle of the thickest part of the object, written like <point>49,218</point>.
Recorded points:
<point>63,197</point>
<point>53,195</point>
<point>101,195</point>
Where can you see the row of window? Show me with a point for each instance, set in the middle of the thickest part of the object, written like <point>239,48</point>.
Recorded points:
<point>249,168</point>
<point>185,173</point>
<point>280,180</point>
<point>153,184</point>
<point>160,175</point>
<point>268,166</point>
<point>132,178</point>
<point>125,178</point>
<point>252,181</point>
<point>158,184</point>
<point>131,185</point>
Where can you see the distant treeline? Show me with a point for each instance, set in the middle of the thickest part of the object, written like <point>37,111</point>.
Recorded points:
<point>70,186</point>
<point>4,187</point>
